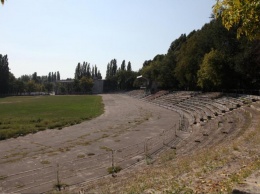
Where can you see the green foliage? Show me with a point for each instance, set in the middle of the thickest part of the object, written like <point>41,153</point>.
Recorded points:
<point>86,84</point>
<point>195,61</point>
<point>34,114</point>
<point>114,169</point>
<point>121,78</point>
<point>84,70</point>
<point>244,15</point>
<point>210,72</point>
<point>4,74</point>
<point>111,69</point>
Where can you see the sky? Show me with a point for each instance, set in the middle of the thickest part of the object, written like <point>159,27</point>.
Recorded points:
<point>55,35</point>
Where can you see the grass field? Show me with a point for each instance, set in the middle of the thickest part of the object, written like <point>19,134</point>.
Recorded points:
<point>22,115</point>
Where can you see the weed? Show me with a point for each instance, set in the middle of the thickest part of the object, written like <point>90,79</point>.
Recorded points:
<point>45,162</point>
<point>168,156</point>
<point>105,135</point>
<point>3,177</point>
<point>60,186</point>
<point>114,169</point>
<point>66,149</point>
<point>235,147</point>
<point>18,186</point>
<point>85,143</point>
<point>81,156</point>
<point>105,148</point>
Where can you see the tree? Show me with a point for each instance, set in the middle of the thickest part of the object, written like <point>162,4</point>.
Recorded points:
<point>34,77</point>
<point>114,67</point>
<point>4,74</point>
<point>58,76</point>
<point>76,85</point>
<point>86,84</point>
<point>54,77</point>
<point>31,86</point>
<point>20,86</point>
<point>96,71</point>
<point>123,65</point>
<point>2,1</point>
<point>93,72</point>
<point>78,72</point>
<point>49,77</point>
<point>243,14</point>
<point>12,89</point>
<point>48,86</point>
<point>99,76</point>
<point>129,67</point>
<point>210,74</point>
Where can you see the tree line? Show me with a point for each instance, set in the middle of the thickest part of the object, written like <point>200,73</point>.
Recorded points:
<point>211,58</point>
<point>27,84</point>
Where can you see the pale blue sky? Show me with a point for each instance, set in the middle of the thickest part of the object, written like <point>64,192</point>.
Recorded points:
<point>54,35</point>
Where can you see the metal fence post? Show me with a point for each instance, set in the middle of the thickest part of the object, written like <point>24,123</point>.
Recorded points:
<point>113,164</point>
<point>58,179</point>
<point>164,138</point>
<point>146,151</point>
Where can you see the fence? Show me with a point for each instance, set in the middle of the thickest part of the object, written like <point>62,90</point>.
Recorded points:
<point>73,172</point>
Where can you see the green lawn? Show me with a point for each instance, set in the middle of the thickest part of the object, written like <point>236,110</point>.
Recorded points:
<point>23,115</point>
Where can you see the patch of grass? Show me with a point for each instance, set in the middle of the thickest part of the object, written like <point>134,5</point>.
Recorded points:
<point>23,115</point>
<point>168,156</point>
<point>3,177</point>
<point>45,162</point>
<point>105,148</point>
<point>114,169</point>
<point>18,186</point>
<point>236,146</point>
<point>105,135</point>
<point>14,156</point>
<point>81,156</point>
<point>52,154</point>
<point>84,143</point>
<point>66,149</point>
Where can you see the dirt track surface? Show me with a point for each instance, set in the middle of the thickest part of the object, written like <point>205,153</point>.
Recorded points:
<point>26,161</point>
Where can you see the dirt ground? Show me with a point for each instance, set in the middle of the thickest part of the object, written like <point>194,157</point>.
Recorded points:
<point>27,164</point>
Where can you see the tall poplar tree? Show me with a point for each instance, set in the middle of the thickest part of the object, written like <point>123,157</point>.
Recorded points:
<point>4,74</point>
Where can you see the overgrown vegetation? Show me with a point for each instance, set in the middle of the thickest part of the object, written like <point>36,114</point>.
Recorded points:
<point>22,115</point>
